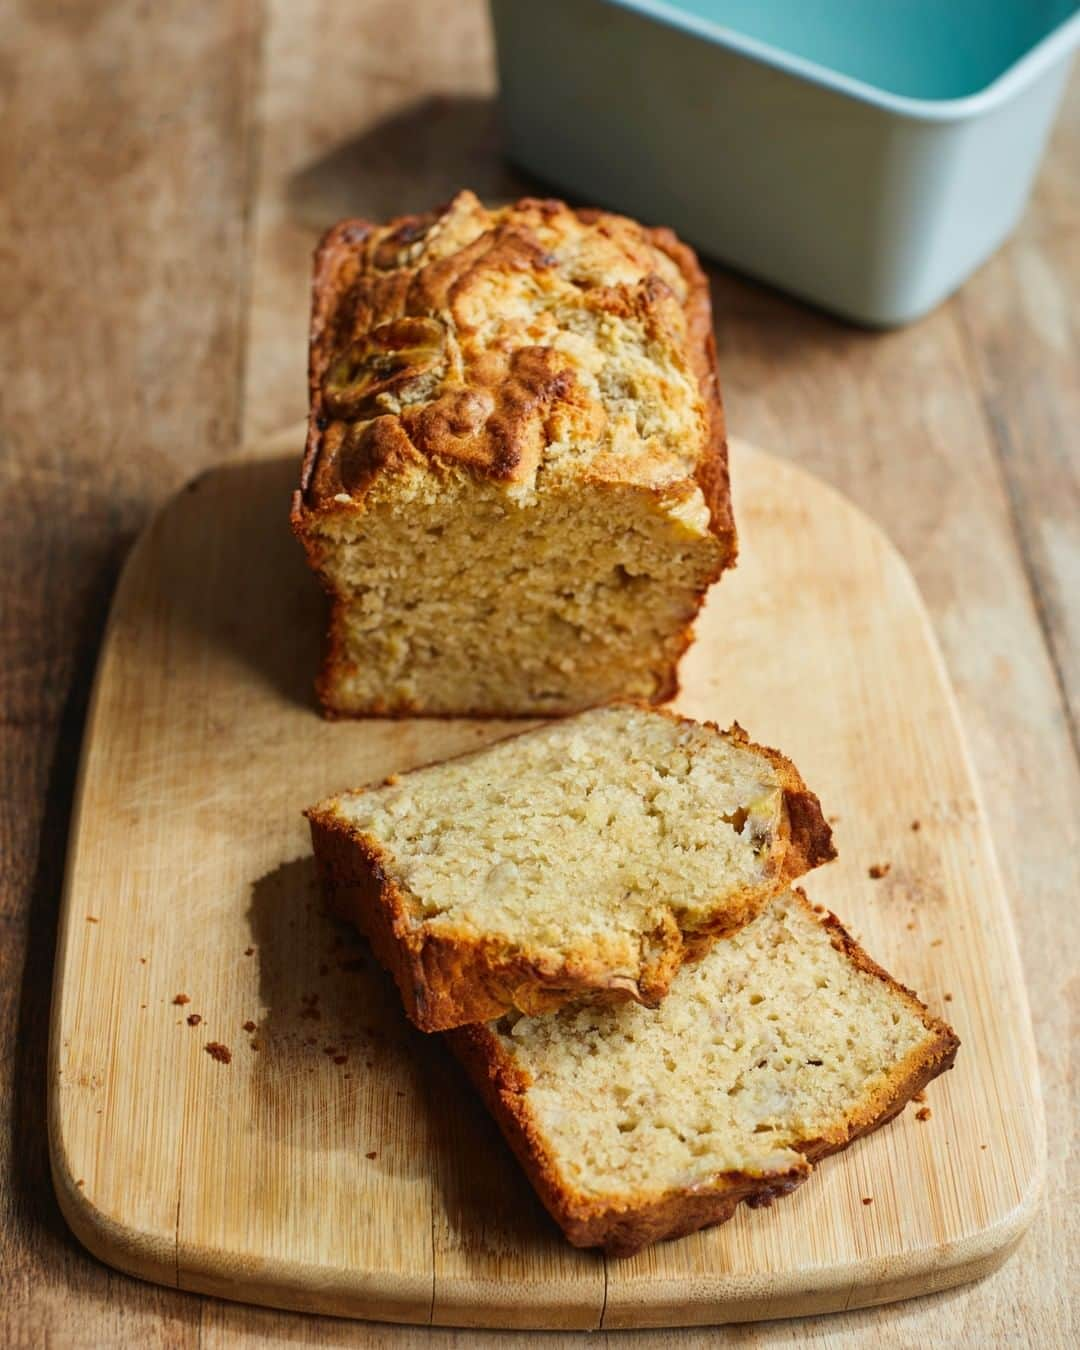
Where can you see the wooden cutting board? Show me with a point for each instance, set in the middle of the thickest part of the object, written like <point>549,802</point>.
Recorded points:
<point>236,1103</point>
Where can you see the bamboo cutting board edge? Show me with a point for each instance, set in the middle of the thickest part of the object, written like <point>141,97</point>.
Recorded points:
<point>155,1253</point>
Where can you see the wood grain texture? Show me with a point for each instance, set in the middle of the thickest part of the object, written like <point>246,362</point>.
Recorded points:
<point>112,111</point>
<point>335,1161</point>
<point>124,192</point>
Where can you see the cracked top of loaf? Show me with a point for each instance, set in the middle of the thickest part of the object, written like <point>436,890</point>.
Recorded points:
<point>518,343</point>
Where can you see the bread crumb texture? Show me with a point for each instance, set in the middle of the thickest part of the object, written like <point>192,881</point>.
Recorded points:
<point>583,839</point>
<point>773,1044</point>
<point>515,485</point>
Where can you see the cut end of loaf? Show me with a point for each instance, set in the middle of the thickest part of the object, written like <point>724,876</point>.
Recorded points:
<point>785,1043</point>
<point>586,859</point>
<point>456,598</point>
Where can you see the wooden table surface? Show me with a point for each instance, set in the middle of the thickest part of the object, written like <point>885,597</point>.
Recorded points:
<point>164,171</point>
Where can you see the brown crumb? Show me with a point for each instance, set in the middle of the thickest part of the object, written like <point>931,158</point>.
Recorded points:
<point>911,927</point>
<point>392,780</point>
<point>948,998</point>
<point>181,999</point>
<point>919,1097</point>
<point>923,1114</point>
<point>984,1146</point>
<point>92,918</point>
<point>879,870</point>
<point>341,1059</point>
<point>248,951</point>
<point>142,960</point>
<point>194,1019</point>
<point>80,1182</point>
<point>217,1051</point>
<point>142,1007</point>
<point>916,826</point>
<point>868,1199</point>
<point>249,1026</point>
<point>254,1044</point>
<point>399,1093</point>
<point>937,942</point>
<point>833,820</point>
<point>371,1155</point>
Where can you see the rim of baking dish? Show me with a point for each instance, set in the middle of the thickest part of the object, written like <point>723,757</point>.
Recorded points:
<point>1057,45</point>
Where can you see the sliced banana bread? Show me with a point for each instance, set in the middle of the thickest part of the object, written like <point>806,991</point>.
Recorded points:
<point>588,858</point>
<point>515,486</point>
<point>784,1043</point>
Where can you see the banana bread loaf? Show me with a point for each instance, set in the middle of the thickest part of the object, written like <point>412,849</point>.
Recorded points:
<point>590,857</point>
<point>784,1043</point>
<point>515,486</point>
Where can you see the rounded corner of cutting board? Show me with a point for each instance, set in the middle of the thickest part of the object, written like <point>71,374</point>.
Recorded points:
<point>749,461</point>
<point>123,1245</point>
<point>679,1284</point>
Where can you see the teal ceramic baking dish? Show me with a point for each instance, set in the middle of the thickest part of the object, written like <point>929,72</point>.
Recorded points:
<point>865,155</point>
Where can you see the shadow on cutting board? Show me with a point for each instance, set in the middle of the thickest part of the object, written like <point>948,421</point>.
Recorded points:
<point>339,1066</point>
<point>227,534</point>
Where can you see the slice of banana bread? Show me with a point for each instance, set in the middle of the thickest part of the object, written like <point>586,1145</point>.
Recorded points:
<point>784,1043</point>
<point>515,486</point>
<point>590,857</point>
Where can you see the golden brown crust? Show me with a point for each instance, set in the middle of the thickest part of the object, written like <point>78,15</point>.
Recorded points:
<point>712,473</point>
<point>401,376</point>
<point>450,980</point>
<point>626,1227</point>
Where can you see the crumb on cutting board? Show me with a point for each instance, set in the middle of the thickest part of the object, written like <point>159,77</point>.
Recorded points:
<point>181,999</point>
<point>194,1019</point>
<point>878,870</point>
<point>924,1114</point>
<point>217,1051</point>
